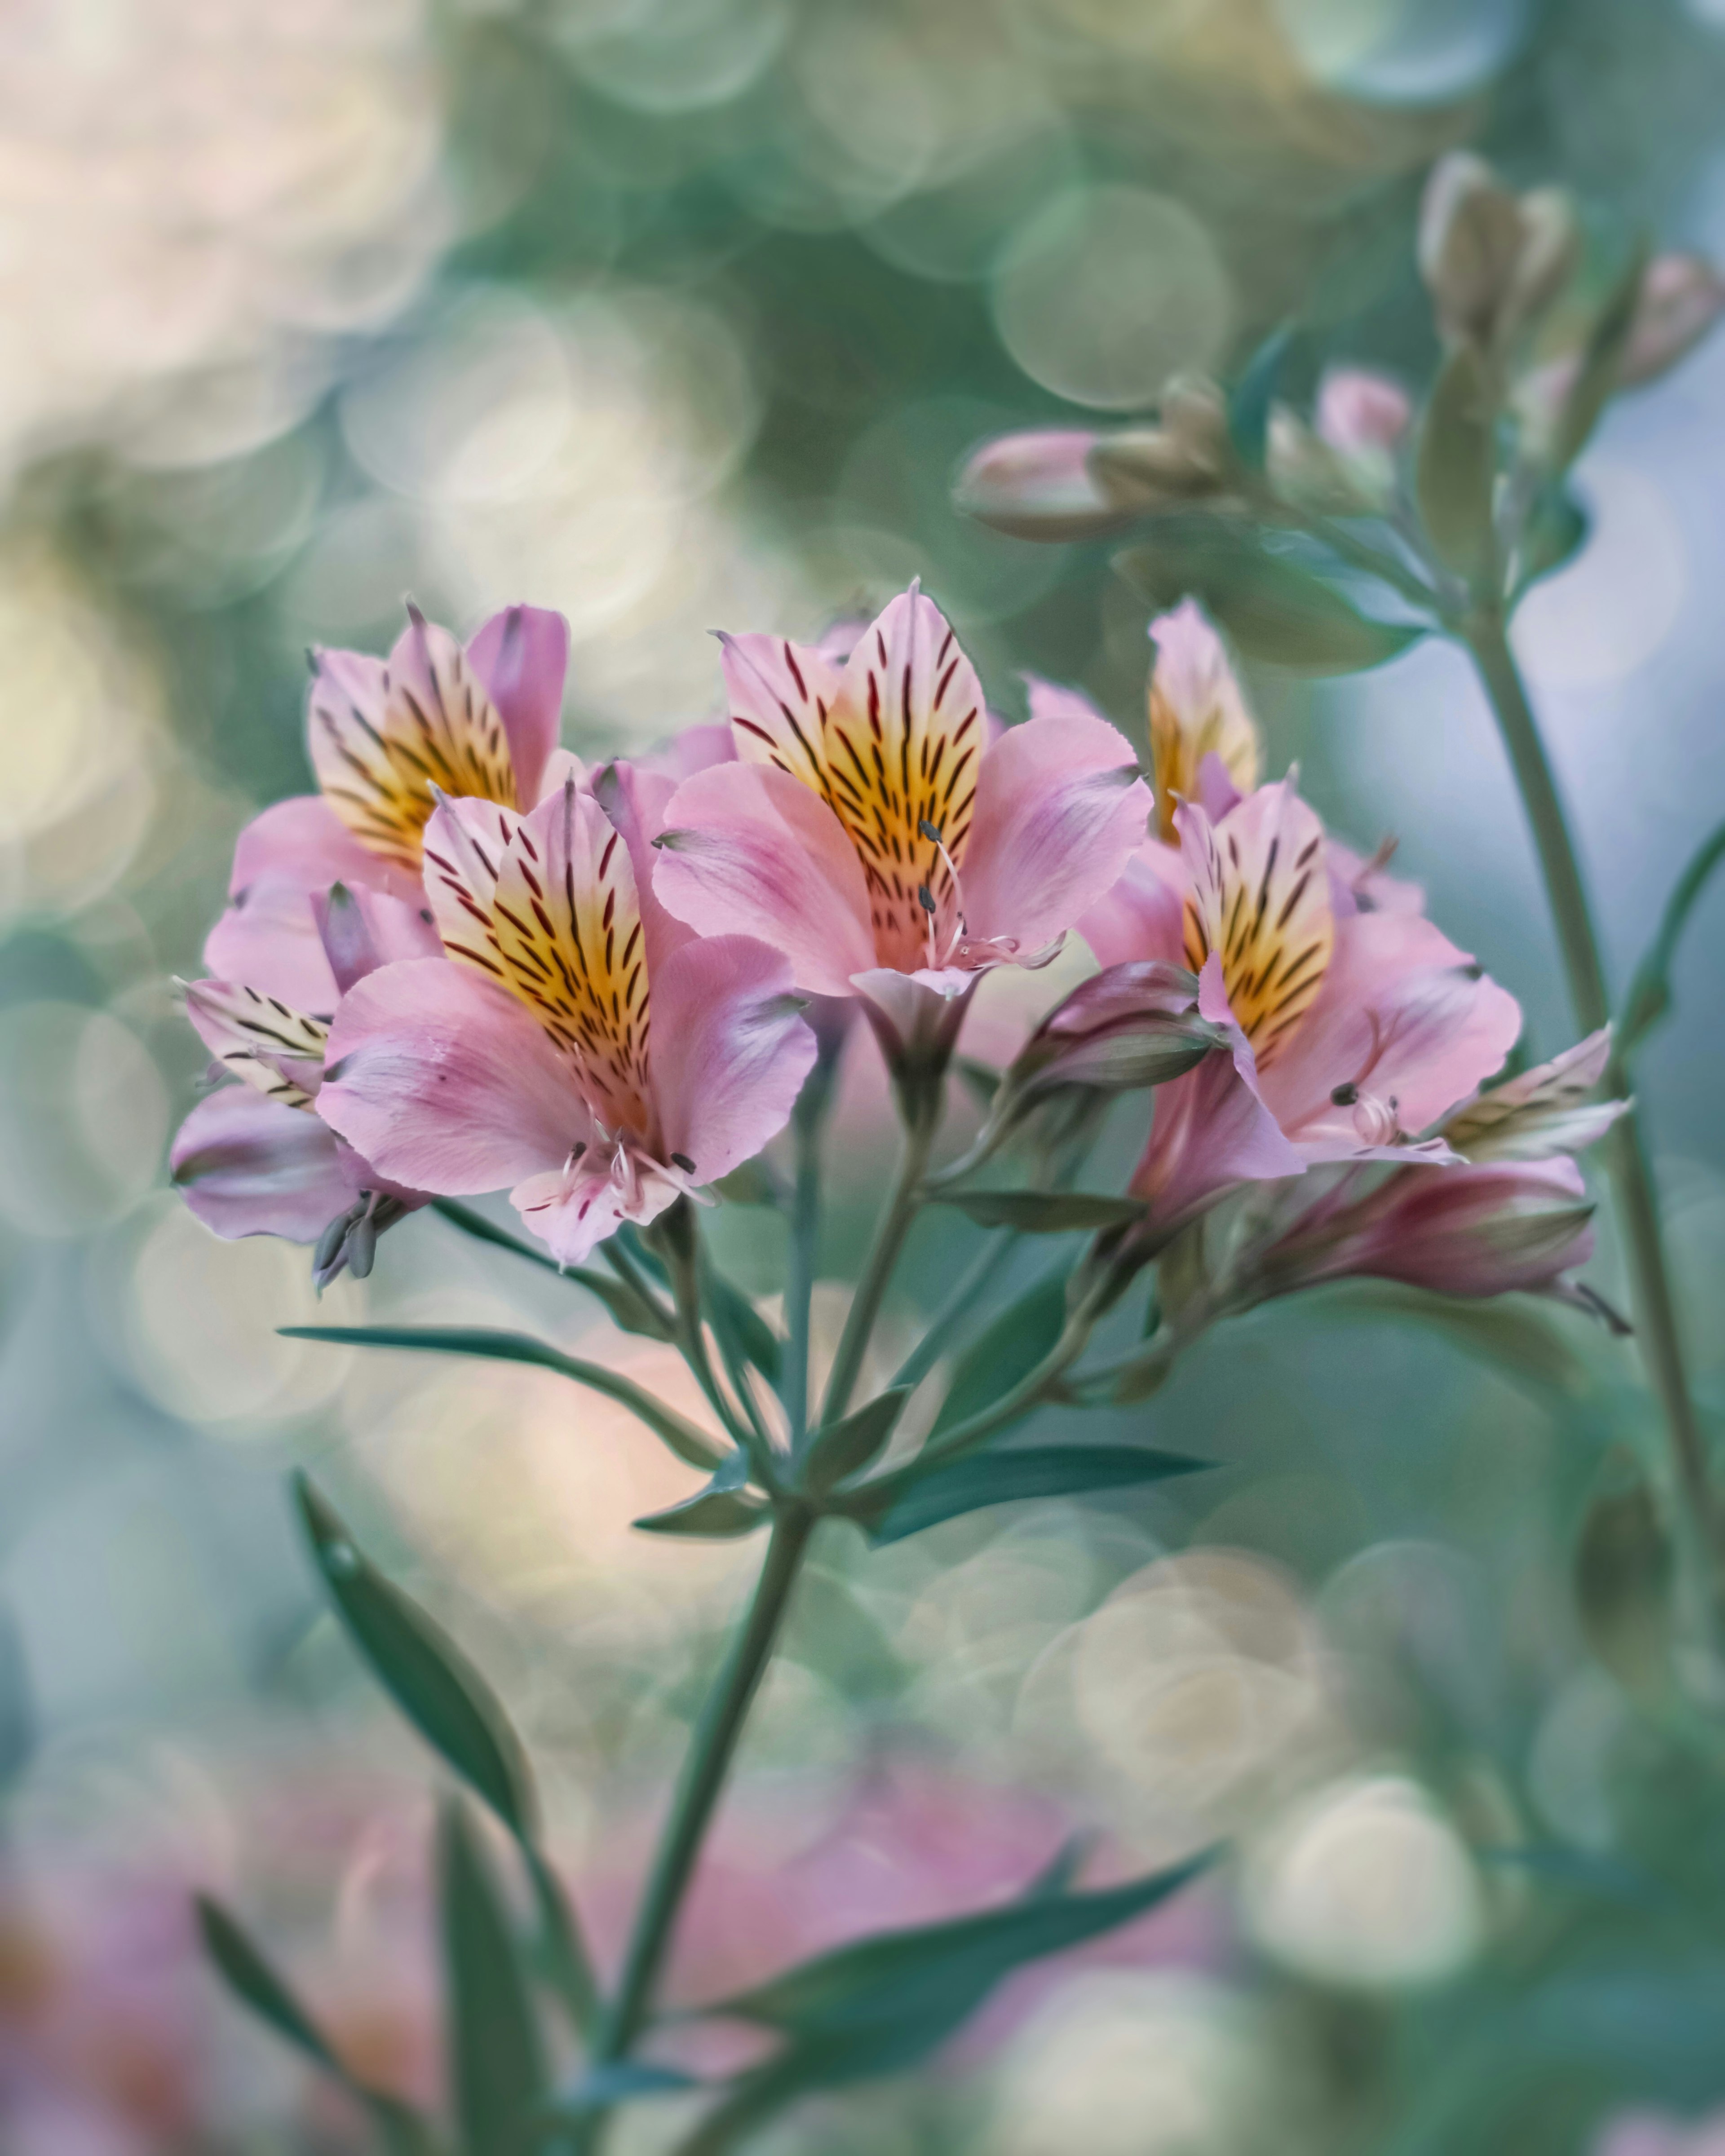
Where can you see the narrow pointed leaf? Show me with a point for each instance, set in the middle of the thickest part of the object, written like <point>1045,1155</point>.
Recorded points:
<point>496,2065</point>
<point>559,1952</point>
<point>1044,1212</point>
<point>908,1501</point>
<point>624,2081</point>
<point>1457,464</point>
<point>1248,407</point>
<point>630,1311</point>
<point>1649,995</point>
<point>725,1509</point>
<point>846,1448</point>
<point>256,1985</point>
<point>1554,534</point>
<point>935,1974</point>
<point>1273,608</point>
<point>688,1442</point>
<point>1011,1347</point>
<point>422,1670</point>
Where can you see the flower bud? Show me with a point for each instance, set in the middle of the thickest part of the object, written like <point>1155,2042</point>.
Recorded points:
<point>1471,238</point>
<point>1038,486</point>
<point>1186,457</point>
<point>1344,464</point>
<point>1461,1231</point>
<point>1359,412</point>
<point>1542,1114</point>
<point>1681,297</point>
<point>1549,255</point>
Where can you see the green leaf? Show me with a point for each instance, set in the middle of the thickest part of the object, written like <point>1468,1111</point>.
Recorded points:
<point>1044,1212</point>
<point>932,1977</point>
<point>1248,407</point>
<point>980,1081</point>
<point>495,2062</point>
<point>846,1448</point>
<point>724,1509</point>
<point>624,2081</point>
<point>688,1442</point>
<point>908,1502</point>
<point>422,1670</point>
<point>256,1985</point>
<point>1597,375</point>
<point>559,1953</point>
<point>1457,466</point>
<point>1008,1351</point>
<point>629,1309</point>
<point>1272,607</point>
<point>1553,534</point>
<point>1650,994</point>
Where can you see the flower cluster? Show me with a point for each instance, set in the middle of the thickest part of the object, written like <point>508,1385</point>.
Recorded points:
<point>470,963</point>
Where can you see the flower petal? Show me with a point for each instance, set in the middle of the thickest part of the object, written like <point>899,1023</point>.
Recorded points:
<point>781,694</point>
<point>752,851</point>
<point>1260,898</point>
<point>1038,485</point>
<point>249,1166</point>
<point>384,737</point>
<point>275,1048</point>
<point>1197,711</point>
<point>362,929</point>
<point>1142,914</point>
<point>1544,1113</point>
<point>303,837</point>
<point>465,845</point>
<point>520,657</point>
<point>636,799</point>
<point>269,937</point>
<point>1404,1021</point>
<point>443,1081</point>
<point>573,1209</point>
<point>1060,807</point>
<point>730,1051</point>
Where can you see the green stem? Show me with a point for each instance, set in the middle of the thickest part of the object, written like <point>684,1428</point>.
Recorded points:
<point>807,1118</point>
<point>710,1754</point>
<point>678,1251</point>
<point>889,1232</point>
<point>1625,1158</point>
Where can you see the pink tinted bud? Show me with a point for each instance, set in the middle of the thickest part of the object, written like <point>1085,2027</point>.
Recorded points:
<point>1461,1231</point>
<point>1358,412</point>
<point>1682,296</point>
<point>1038,486</point>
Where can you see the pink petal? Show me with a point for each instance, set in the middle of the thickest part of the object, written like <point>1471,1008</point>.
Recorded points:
<point>730,1051</point>
<point>1210,1130</point>
<point>1142,915</point>
<point>1054,699</point>
<point>1357,411</point>
<point>260,1038</point>
<point>445,1082</point>
<point>693,750</point>
<point>573,1209</point>
<point>250,1167</point>
<point>466,842</point>
<point>521,656</point>
<point>780,693</point>
<point>1404,1017</point>
<point>1060,807</point>
<point>362,929</point>
<point>1218,795</point>
<point>915,1017</point>
<point>752,851</point>
<point>303,837</point>
<point>636,799</point>
<point>269,937</point>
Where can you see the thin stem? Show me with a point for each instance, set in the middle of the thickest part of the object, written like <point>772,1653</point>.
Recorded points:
<point>807,1119</point>
<point>1625,1155</point>
<point>704,1770</point>
<point>972,1284</point>
<point>677,1250</point>
<point>891,1230</point>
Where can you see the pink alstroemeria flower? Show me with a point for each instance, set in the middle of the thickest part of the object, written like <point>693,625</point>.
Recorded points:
<point>584,1047</point>
<point>1354,1026</point>
<point>479,720</point>
<point>872,831</point>
<point>254,1159</point>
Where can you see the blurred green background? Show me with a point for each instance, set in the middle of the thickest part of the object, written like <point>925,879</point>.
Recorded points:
<point>677,314</point>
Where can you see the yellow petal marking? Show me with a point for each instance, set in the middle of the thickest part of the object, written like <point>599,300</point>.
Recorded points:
<point>377,767</point>
<point>1260,896</point>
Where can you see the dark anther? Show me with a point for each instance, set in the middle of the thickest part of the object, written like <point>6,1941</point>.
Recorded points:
<point>930,830</point>
<point>1344,1097</point>
<point>926,896</point>
<point>681,1160</point>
